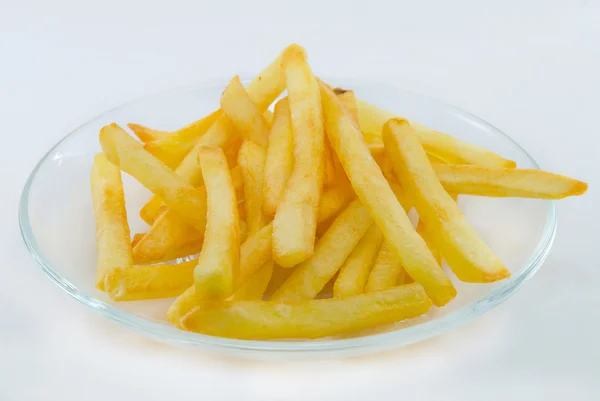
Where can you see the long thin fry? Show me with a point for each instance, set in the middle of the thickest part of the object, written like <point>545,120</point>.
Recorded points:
<point>376,195</point>
<point>466,253</point>
<point>331,251</point>
<point>444,146</point>
<point>387,271</point>
<point>220,256</point>
<point>150,282</point>
<point>280,158</point>
<point>251,160</point>
<point>255,287</point>
<point>112,230</point>
<point>308,319</point>
<point>295,221</point>
<point>244,114</point>
<point>502,182</point>
<point>354,273</point>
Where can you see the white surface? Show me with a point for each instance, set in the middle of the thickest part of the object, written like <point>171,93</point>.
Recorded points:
<point>530,69</point>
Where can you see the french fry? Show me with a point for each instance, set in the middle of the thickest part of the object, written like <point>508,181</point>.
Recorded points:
<point>334,200</point>
<point>501,182</point>
<point>146,134</point>
<point>173,148</point>
<point>155,207</point>
<point>149,282</point>
<point>112,229</point>
<point>258,320</point>
<point>220,256</point>
<point>354,273</point>
<point>244,114</point>
<point>136,238</point>
<point>280,158</point>
<point>127,153</point>
<point>295,220</point>
<point>255,287</point>
<point>331,251</point>
<point>375,193</point>
<point>429,240</point>
<point>445,147</point>
<point>169,237</point>
<point>251,160</point>
<point>348,99</point>
<point>263,90</point>
<point>466,253</point>
<point>255,252</point>
<point>387,271</point>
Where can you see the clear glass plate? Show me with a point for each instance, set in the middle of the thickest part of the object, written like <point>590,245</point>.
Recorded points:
<point>57,223</point>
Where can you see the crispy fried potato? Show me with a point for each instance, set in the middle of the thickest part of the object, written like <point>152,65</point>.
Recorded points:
<point>153,209</point>
<point>348,99</point>
<point>330,253</point>
<point>466,253</point>
<point>255,287</point>
<point>334,200</point>
<point>127,153</point>
<point>387,271</point>
<point>149,282</point>
<point>173,148</point>
<point>354,273</point>
<point>146,134</point>
<point>429,240</point>
<point>376,195</point>
<point>244,114</point>
<point>280,158</point>
<point>443,146</point>
<point>501,182</point>
<point>258,320</point>
<point>112,229</point>
<point>251,160</point>
<point>220,256</point>
<point>263,90</point>
<point>295,220</point>
<point>136,238</point>
<point>255,252</point>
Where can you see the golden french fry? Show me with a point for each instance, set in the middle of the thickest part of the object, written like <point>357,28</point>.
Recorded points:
<point>258,320</point>
<point>255,252</point>
<point>251,160</point>
<point>348,99</point>
<point>244,114</point>
<point>220,256</point>
<point>331,251</point>
<point>149,282</point>
<point>354,273</point>
<point>429,240</point>
<point>280,158</point>
<point>387,271</point>
<point>269,117</point>
<point>127,153</point>
<point>146,134</point>
<point>172,148</point>
<point>466,253</point>
<point>243,230</point>
<point>280,274</point>
<point>112,229</point>
<point>444,146</point>
<point>155,207</point>
<point>375,193</point>
<point>263,90</point>
<point>136,238</point>
<point>255,287</point>
<point>169,237</point>
<point>295,220</point>
<point>500,182</point>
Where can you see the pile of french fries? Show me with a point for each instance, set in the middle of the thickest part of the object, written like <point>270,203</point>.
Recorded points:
<point>288,207</point>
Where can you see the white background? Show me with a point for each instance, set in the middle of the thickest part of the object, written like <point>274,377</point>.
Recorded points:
<point>528,67</point>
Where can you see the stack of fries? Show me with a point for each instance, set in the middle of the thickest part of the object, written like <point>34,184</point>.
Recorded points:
<point>278,204</point>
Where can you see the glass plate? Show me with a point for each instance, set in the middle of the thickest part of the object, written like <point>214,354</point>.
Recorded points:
<point>57,223</point>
